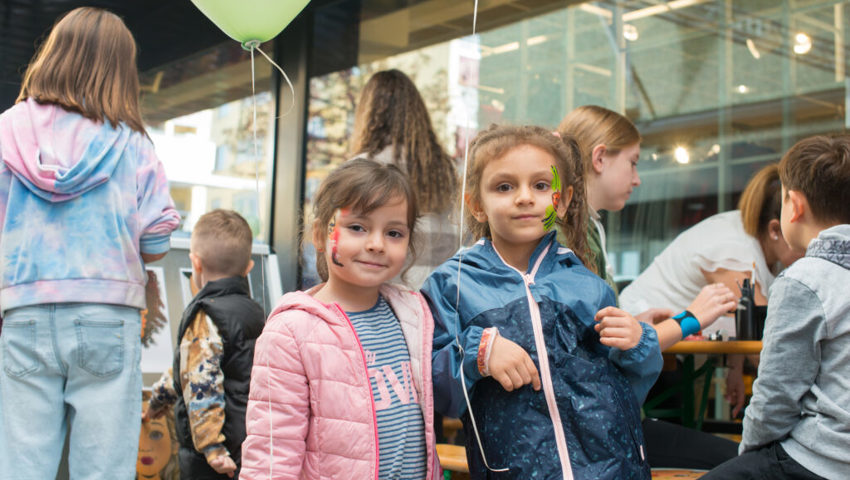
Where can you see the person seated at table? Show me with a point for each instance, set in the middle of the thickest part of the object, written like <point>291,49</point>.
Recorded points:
<point>724,248</point>
<point>798,422</point>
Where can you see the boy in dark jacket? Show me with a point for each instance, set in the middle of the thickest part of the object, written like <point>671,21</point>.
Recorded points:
<point>214,356</point>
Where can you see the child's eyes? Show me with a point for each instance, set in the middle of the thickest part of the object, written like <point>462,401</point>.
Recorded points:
<point>356,228</point>
<point>396,234</point>
<point>504,187</point>
<point>541,186</point>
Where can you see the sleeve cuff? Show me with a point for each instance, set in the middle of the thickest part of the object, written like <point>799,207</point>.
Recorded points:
<point>488,336</point>
<point>155,244</point>
<point>640,351</point>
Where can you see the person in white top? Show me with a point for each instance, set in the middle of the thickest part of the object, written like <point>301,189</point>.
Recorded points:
<point>725,248</point>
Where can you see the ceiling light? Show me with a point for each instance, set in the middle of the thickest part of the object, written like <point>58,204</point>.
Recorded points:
<point>751,46</point>
<point>802,43</point>
<point>536,40</point>
<point>681,155</point>
<point>715,149</point>
<point>630,32</point>
<point>742,88</point>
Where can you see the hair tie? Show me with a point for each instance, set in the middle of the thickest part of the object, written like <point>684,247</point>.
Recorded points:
<point>556,134</point>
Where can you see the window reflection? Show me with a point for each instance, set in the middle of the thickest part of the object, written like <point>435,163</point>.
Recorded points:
<point>717,89</point>
<point>200,117</point>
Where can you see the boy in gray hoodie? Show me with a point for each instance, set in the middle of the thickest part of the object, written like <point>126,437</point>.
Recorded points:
<point>798,422</point>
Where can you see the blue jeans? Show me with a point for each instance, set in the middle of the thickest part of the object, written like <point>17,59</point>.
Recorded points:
<point>70,365</point>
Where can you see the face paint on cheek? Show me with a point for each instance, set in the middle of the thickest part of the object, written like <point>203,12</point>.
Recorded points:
<point>549,220</point>
<point>333,235</point>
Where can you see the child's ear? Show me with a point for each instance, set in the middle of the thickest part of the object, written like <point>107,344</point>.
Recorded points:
<point>774,229</point>
<point>596,157</point>
<point>197,266</point>
<point>799,205</point>
<point>248,268</point>
<point>475,208</point>
<point>320,236</point>
<point>564,203</point>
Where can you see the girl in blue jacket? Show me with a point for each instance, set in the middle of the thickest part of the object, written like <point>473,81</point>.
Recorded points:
<point>545,373</point>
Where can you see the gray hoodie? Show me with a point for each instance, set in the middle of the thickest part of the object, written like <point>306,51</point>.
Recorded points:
<point>801,397</point>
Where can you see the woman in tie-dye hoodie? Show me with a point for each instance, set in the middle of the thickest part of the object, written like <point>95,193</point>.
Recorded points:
<point>84,203</point>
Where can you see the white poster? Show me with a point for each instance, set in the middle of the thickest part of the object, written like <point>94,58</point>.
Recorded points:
<point>157,348</point>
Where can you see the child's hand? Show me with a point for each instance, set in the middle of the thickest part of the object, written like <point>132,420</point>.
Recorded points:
<point>224,464</point>
<point>511,366</point>
<point>617,328</point>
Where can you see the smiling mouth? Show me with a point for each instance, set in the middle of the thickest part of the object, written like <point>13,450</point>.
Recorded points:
<point>147,461</point>
<point>371,264</point>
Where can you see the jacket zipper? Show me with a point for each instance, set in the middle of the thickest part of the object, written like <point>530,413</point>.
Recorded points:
<point>369,383</point>
<point>543,358</point>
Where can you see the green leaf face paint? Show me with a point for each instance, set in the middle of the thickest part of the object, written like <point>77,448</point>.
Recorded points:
<point>549,220</point>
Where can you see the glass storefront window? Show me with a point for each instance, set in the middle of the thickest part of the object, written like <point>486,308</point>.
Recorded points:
<point>718,89</point>
<point>199,114</point>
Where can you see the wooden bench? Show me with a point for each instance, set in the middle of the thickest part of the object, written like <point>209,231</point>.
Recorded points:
<point>453,461</point>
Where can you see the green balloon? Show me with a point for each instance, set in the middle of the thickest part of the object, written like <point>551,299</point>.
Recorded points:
<point>248,20</point>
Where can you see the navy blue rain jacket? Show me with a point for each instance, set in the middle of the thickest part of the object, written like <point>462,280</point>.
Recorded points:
<point>586,418</point>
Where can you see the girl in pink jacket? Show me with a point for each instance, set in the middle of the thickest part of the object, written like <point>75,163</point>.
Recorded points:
<point>341,383</point>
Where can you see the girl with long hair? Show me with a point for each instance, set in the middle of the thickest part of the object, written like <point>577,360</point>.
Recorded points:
<point>84,203</point>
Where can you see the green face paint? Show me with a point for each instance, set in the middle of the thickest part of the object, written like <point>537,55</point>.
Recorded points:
<point>549,220</point>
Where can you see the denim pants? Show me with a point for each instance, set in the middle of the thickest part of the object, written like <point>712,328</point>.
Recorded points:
<point>72,365</point>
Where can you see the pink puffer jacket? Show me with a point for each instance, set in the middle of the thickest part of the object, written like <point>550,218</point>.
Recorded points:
<point>310,411</point>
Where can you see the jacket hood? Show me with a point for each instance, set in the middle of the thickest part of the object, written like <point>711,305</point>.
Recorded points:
<point>406,307</point>
<point>833,244</point>
<point>57,154</point>
<point>304,301</point>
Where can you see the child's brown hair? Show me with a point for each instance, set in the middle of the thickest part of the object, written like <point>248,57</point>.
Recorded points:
<point>761,201</point>
<point>391,114</point>
<point>592,125</point>
<point>496,141</point>
<point>361,185</point>
<point>88,65</point>
<point>819,168</point>
<point>222,240</point>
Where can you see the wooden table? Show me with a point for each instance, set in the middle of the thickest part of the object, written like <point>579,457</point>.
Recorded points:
<point>746,347</point>
<point>690,375</point>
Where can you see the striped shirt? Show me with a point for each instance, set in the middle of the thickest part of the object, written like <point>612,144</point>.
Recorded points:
<point>401,429</point>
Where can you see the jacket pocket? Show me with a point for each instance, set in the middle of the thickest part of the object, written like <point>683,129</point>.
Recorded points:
<point>100,346</point>
<point>19,355</point>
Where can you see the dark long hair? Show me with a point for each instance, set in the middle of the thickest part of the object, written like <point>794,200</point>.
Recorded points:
<point>391,113</point>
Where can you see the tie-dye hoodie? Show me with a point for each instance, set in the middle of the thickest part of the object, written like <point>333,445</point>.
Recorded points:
<point>80,202</point>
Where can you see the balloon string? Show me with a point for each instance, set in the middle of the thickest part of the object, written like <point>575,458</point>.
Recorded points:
<point>285,77</point>
<point>262,262</point>
<point>459,264</point>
